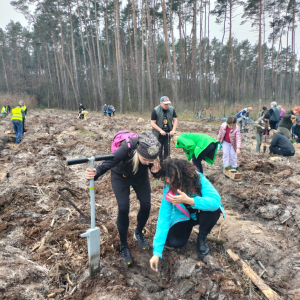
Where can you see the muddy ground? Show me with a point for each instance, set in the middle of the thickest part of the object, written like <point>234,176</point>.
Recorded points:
<point>39,261</point>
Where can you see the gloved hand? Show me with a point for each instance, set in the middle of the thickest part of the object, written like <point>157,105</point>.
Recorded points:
<point>246,118</point>
<point>219,146</point>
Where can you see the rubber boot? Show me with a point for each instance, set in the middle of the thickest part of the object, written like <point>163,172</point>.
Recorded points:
<point>203,248</point>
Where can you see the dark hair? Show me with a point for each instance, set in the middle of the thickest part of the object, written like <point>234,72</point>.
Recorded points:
<point>183,176</point>
<point>264,108</point>
<point>231,120</point>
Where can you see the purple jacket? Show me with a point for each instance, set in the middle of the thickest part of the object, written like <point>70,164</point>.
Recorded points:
<point>282,113</point>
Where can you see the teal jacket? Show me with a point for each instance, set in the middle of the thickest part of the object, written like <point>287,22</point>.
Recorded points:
<point>169,214</point>
<point>194,144</point>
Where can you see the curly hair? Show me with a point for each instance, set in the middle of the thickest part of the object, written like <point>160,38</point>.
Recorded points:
<point>183,176</point>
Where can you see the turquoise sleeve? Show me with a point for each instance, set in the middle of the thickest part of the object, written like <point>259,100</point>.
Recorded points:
<point>162,226</point>
<point>210,200</point>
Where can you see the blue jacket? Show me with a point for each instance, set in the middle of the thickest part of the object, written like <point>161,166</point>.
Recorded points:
<point>296,131</point>
<point>243,114</point>
<point>109,110</point>
<point>169,214</point>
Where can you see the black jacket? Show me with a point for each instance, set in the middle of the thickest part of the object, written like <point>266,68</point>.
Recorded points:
<point>281,141</point>
<point>122,162</point>
<point>81,108</point>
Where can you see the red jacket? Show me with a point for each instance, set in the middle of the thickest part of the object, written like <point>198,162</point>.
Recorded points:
<point>235,136</point>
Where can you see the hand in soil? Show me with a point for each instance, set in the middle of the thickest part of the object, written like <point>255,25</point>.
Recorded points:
<point>154,263</point>
<point>90,174</point>
<point>181,198</point>
<point>238,151</point>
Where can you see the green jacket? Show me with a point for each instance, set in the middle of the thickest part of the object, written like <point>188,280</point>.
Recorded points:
<point>194,144</point>
<point>286,121</point>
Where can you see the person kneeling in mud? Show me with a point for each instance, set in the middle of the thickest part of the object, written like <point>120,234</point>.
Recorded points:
<point>280,144</point>
<point>189,199</point>
<point>197,147</point>
<point>130,168</point>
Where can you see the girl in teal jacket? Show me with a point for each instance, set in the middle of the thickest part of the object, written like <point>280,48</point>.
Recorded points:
<point>189,199</point>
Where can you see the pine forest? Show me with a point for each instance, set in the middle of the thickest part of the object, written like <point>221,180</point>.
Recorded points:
<point>130,53</point>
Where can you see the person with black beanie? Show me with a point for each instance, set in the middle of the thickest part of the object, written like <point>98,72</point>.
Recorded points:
<point>130,168</point>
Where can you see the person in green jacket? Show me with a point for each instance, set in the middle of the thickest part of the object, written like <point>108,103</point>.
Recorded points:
<point>287,121</point>
<point>197,147</point>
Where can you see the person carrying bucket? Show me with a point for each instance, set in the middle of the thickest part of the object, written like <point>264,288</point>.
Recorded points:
<point>133,156</point>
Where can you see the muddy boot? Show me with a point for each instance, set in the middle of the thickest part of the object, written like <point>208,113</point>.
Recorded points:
<point>125,254</point>
<point>203,248</point>
<point>142,242</point>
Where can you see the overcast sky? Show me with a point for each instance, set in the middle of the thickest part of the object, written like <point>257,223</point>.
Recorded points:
<point>241,32</point>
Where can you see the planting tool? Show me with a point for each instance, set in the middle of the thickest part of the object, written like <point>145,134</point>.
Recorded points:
<point>265,143</point>
<point>92,234</point>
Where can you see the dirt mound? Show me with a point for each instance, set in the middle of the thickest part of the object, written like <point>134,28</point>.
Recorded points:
<point>43,256</point>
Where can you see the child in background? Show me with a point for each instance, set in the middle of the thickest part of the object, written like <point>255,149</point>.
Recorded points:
<point>230,138</point>
<point>260,126</point>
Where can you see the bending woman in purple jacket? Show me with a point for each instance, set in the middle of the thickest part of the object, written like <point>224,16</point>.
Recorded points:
<point>189,199</point>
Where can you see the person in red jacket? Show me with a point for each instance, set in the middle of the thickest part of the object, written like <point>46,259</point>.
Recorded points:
<point>230,138</point>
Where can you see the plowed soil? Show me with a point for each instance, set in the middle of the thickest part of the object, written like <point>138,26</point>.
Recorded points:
<point>40,261</point>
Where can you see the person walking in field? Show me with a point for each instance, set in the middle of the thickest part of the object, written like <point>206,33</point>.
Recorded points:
<point>197,147</point>
<point>24,108</point>
<point>17,117</point>
<point>230,138</point>
<point>104,109</point>
<point>164,123</point>
<point>189,199</point>
<point>132,160</point>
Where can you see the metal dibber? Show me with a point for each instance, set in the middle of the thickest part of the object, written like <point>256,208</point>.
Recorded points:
<point>92,234</point>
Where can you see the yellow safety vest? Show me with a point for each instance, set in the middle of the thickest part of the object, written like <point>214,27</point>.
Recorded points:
<point>17,114</point>
<point>3,109</point>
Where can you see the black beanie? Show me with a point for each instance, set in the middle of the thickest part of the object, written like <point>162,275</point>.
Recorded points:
<point>267,116</point>
<point>148,145</point>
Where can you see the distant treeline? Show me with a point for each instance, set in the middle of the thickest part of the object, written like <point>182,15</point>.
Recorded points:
<point>96,52</point>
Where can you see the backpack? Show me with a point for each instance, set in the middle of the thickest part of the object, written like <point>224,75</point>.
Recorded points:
<point>121,136</point>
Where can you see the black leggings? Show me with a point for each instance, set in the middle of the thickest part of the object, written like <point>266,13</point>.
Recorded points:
<point>121,187</point>
<point>273,124</point>
<point>180,232</point>
<point>208,151</point>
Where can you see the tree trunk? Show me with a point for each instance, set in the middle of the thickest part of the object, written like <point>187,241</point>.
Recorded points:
<point>84,57</point>
<point>118,56</point>
<point>101,90</point>
<point>138,83</point>
<point>168,52</point>
<point>77,95</point>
